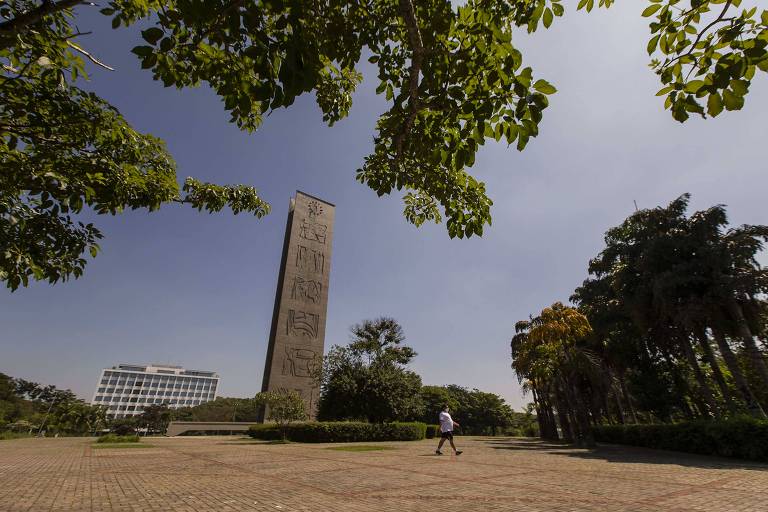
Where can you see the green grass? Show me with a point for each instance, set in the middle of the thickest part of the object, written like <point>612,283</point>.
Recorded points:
<point>114,438</point>
<point>360,448</point>
<point>6,436</point>
<point>99,446</point>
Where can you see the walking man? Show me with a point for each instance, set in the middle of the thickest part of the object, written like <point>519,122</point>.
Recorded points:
<point>446,430</point>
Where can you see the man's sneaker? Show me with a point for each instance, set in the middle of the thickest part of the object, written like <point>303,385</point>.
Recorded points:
<point>438,452</point>
<point>459,452</point>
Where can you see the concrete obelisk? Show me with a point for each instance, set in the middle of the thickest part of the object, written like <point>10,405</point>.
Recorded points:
<point>297,337</point>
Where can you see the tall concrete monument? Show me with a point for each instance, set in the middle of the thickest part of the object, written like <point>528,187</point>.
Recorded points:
<point>297,337</point>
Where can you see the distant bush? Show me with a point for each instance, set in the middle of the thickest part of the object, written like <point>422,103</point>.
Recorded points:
<point>266,432</point>
<point>432,431</point>
<point>123,427</point>
<point>743,437</point>
<point>342,432</point>
<point>114,438</point>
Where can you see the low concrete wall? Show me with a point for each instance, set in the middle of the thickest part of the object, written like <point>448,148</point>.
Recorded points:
<point>176,428</point>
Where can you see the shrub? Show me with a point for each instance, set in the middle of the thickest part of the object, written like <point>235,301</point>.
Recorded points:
<point>742,437</point>
<point>266,432</point>
<point>123,427</point>
<point>432,431</point>
<point>342,432</point>
<point>114,438</point>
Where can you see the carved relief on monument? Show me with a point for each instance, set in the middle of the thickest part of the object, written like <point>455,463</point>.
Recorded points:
<point>299,362</point>
<point>315,209</point>
<point>306,290</point>
<point>302,324</point>
<point>312,231</point>
<point>310,259</point>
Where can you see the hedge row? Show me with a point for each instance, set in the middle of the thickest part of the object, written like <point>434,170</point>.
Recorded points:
<point>744,437</point>
<point>433,431</point>
<point>114,438</point>
<point>342,432</point>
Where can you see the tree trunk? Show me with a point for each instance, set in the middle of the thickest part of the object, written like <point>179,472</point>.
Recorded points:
<point>755,355</point>
<point>741,382</point>
<point>704,389</point>
<point>619,405</point>
<point>543,417</point>
<point>539,414</point>
<point>554,436</point>
<point>709,355</point>
<point>562,414</point>
<point>583,431</point>
<point>628,399</point>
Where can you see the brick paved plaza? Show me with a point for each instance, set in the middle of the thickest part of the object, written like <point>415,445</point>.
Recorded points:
<point>229,474</point>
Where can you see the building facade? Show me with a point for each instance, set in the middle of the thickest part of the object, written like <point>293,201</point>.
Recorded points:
<point>126,389</point>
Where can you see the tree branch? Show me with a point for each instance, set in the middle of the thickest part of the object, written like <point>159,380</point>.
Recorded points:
<point>408,11</point>
<point>19,23</point>
<point>89,56</point>
<point>701,34</point>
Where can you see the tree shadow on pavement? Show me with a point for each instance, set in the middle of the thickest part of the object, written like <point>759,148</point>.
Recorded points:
<point>627,454</point>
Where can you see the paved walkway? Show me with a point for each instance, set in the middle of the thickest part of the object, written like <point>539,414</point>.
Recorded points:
<point>226,474</point>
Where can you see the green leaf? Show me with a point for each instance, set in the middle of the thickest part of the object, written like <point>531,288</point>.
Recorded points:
<point>650,10</point>
<point>714,104</point>
<point>739,87</point>
<point>547,17</point>
<point>653,43</point>
<point>732,101</point>
<point>544,87</point>
<point>142,51</point>
<point>694,85</point>
<point>152,35</point>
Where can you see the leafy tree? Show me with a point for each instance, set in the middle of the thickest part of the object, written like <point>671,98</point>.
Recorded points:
<point>155,418</point>
<point>478,412</point>
<point>451,75</point>
<point>282,407</point>
<point>123,426</point>
<point>433,398</point>
<point>368,379</point>
<point>550,352</point>
<point>221,409</point>
<point>675,305</point>
<point>680,276</point>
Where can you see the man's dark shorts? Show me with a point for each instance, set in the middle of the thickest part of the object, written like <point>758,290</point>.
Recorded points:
<point>447,435</point>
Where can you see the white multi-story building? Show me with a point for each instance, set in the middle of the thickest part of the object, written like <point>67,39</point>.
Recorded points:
<point>126,388</point>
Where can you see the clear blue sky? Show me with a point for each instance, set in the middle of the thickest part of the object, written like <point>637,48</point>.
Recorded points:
<point>193,289</point>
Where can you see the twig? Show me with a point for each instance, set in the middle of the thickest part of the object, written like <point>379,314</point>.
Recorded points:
<point>90,57</point>
<point>417,57</point>
<point>701,34</point>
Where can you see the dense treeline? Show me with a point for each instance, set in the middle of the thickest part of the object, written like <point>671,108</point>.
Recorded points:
<point>369,380</point>
<point>30,408</point>
<point>671,325</point>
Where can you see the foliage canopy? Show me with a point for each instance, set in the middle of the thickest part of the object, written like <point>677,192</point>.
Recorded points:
<point>451,75</point>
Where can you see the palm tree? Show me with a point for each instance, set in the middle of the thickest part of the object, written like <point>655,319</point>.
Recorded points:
<point>549,348</point>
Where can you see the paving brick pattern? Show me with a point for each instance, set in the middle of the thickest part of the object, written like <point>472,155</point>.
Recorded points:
<point>227,474</point>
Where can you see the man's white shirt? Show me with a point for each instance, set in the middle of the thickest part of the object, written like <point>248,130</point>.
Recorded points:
<point>446,422</point>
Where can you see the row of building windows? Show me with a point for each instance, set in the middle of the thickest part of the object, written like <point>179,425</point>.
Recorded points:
<point>122,391</point>
<point>137,408</point>
<point>154,376</point>
<point>169,401</point>
<point>126,398</point>
<point>159,381</point>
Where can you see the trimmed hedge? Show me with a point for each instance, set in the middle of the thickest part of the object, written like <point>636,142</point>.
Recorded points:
<point>743,437</point>
<point>342,432</point>
<point>113,438</point>
<point>432,431</point>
